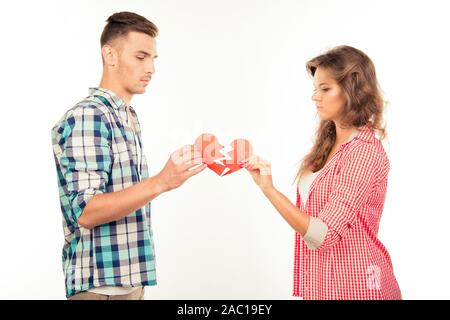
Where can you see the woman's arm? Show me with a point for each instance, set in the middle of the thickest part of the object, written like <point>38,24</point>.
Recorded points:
<point>261,173</point>
<point>297,219</point>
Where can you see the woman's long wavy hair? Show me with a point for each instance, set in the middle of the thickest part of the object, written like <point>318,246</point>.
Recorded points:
<point>355,73</point>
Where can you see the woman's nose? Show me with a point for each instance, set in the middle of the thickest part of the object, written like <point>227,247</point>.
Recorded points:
<point>315,96</point>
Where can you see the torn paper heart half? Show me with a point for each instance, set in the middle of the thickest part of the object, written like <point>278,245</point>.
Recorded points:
<point>221,159</point>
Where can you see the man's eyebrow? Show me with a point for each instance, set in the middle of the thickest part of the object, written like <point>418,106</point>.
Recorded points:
<point>146,53</point>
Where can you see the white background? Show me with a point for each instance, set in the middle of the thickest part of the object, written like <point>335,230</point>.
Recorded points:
<point>236,69</point>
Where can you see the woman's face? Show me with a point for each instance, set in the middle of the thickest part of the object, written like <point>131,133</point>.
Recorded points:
<point>328,95</point>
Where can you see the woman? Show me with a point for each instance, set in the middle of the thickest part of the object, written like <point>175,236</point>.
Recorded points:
<point>342,186</point>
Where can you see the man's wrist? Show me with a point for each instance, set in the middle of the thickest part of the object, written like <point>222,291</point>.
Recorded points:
<point>158,185</point>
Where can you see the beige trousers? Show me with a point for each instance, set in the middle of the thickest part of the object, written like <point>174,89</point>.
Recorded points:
<point>137,294</point>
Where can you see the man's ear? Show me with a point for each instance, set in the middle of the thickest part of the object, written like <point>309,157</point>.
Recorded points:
<point>110,55</point>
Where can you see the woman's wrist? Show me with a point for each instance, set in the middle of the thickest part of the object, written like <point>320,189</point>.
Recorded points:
<point>269,191</point>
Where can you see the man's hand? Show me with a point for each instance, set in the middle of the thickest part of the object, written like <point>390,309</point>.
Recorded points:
<point>182,164</point>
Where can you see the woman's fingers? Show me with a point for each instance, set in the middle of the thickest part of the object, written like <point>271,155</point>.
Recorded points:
<point>256,163</point>
<point>255,159</point>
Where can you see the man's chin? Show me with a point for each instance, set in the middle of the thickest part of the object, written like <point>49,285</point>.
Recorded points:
<point>140,91</point>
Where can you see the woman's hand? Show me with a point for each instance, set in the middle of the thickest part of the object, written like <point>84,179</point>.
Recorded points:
<point>260,171</point>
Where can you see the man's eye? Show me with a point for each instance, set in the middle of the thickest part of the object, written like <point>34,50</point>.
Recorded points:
<point>140,58</point>
<point>325,89</point>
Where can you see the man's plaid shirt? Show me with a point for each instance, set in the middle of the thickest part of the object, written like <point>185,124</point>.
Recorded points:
<point>96,152</point>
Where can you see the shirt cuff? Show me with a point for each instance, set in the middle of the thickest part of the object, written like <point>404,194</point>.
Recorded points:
<point>80,201</point>
<point>315,234</point>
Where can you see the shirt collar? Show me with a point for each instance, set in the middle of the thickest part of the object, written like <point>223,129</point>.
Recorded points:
<point>366,134</point>
<point>115,100</point>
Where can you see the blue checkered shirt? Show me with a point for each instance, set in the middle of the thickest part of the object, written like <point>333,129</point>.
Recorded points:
<point>96,152</point>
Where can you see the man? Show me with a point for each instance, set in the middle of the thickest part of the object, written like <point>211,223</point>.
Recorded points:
<point>104,187</point>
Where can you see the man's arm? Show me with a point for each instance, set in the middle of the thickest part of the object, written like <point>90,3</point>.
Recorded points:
<point>107,207</point>
<point>112,206</point>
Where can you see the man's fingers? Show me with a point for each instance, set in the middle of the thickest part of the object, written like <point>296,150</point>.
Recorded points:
<point>189,152</point>
<point>192,163</point>
<point>195,171</point>
<point>186,148</point>
<point>185,154</point>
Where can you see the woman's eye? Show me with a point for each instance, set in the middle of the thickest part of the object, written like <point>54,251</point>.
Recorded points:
<point>141,58</point>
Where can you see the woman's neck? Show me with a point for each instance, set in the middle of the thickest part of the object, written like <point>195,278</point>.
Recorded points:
<point>342,134</point>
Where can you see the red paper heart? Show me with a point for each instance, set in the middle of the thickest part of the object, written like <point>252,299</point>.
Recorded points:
<point>222,164</point>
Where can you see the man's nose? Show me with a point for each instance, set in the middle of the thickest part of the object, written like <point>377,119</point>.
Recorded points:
<point>150,67</point>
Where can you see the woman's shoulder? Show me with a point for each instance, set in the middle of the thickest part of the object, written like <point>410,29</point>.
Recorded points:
<point>367,147</point>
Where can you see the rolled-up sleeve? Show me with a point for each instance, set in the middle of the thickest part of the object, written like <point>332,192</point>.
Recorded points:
<point>316,233</point>
<point>351,189</point>
<point>84,157</point>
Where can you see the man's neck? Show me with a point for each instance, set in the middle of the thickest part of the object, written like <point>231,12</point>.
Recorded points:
<point>108,83</point>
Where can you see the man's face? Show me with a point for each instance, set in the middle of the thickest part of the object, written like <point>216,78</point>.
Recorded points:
<point>134,61</point>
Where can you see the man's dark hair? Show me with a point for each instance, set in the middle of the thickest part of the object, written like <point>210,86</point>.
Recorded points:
<point>122,23</point>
